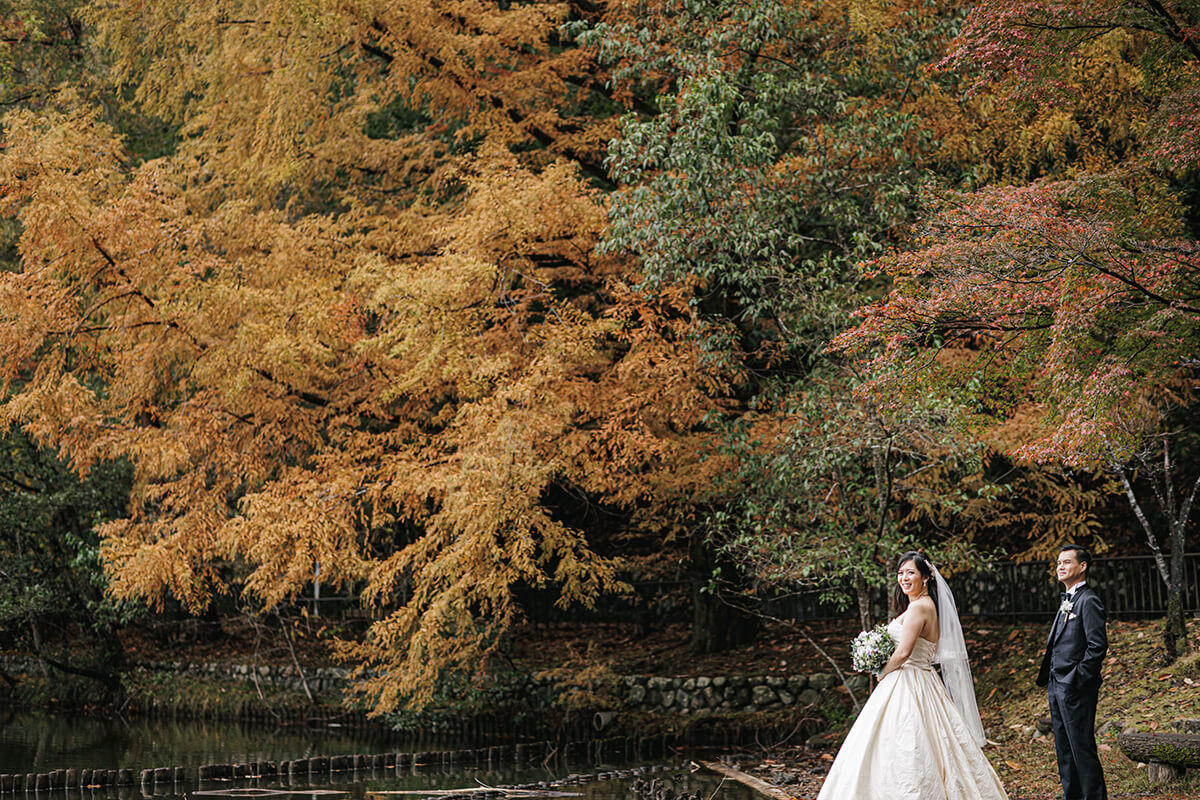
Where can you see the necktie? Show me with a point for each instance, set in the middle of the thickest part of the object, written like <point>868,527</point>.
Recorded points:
<point>1064,595</point>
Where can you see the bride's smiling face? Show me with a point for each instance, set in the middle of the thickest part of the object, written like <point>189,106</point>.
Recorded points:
<point>911,581</point>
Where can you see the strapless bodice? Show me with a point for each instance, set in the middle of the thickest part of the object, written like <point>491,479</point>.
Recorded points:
<point>923,651</point>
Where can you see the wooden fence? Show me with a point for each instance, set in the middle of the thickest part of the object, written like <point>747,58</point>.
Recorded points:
<point>1129,586</point>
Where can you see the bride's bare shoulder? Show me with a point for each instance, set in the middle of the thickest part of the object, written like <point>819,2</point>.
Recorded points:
<point>923,605</point>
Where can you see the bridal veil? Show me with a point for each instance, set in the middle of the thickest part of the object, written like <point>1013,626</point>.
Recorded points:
<point>952,655</point>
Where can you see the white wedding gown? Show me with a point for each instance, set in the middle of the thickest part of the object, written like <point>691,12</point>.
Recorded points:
<point>910,742</point>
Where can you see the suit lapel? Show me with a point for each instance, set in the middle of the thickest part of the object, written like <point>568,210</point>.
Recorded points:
<point>1056,629</point>
<point>1060,619</point>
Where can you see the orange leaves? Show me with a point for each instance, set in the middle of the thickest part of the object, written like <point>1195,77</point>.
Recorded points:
<point>381,379</point>
<point>1058,291</point>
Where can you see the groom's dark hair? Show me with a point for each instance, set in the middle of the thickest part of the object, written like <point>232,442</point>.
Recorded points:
<point>1081,554</point>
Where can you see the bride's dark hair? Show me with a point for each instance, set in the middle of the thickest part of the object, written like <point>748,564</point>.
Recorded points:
<point>899,598</point>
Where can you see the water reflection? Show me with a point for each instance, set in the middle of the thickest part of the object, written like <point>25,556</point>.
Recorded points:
<point>38,743</point>
<point>547,782</point>
<point>45,742</point>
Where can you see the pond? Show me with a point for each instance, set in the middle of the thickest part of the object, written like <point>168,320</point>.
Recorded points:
<point>45,742</point>
<point>40,743</point>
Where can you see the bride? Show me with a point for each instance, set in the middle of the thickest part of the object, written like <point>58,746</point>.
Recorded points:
<point>915,738</point>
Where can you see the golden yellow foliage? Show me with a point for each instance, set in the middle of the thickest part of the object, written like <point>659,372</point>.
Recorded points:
<point>355,321</point>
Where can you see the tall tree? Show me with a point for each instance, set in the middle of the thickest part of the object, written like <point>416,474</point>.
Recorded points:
<point>355,318</point>
<point>1066,306</point>
<point>792,139</point>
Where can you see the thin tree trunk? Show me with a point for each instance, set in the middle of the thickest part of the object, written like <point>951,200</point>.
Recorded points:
<point>1160,560</point>
<point>1176,614</point>
<point>1175,630</point>
<point>37,647</point>
<point>1170,570</point>
<point>862,594</point>
<point>287,637</point>
<point>717,624</point>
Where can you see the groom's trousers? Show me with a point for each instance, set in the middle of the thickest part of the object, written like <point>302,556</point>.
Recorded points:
<point>1073,714</point>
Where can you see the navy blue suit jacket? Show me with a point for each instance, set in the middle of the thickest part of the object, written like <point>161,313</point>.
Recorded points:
<point>1077,644</point>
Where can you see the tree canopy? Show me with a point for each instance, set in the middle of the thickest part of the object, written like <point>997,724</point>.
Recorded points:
<point>447,299</point>
<point>355,318</point>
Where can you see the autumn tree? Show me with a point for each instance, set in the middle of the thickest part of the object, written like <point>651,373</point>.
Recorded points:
<point>825,487</point>
<point>1067,306</point>
<point>791,142</point>
<point>354,318</point>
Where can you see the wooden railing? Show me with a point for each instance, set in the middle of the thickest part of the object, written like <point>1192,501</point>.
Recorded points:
<point>1129,586</point>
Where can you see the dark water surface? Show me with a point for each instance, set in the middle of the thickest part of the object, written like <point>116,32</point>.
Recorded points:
<point>43,743</point>
<point>31,742</point>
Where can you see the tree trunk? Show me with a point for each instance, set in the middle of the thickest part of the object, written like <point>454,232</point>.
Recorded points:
<point>717,625</point>
<point>862,594</point>
<point>1171,571</point>
<point>1175,628</point>
<point>37,647</point>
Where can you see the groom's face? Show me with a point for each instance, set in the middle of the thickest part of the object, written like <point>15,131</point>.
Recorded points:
<point>1070,569</point>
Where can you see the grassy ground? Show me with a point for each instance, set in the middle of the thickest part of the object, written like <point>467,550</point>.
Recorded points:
<point>1138,693</point>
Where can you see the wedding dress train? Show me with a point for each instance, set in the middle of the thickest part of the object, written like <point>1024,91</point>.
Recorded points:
<point>910,742</point>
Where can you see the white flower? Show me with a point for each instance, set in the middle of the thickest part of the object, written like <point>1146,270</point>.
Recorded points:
<point>870,650</point>
<point>1066,606</point>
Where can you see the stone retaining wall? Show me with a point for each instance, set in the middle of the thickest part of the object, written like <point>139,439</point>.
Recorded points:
<point>729,693</point>
<point>324,680</point>
<point>726,693</point>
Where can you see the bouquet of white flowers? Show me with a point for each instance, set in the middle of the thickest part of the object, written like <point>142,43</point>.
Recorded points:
<point>870,650</point>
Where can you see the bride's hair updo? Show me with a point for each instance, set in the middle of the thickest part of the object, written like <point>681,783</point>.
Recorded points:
<point>899,598</point>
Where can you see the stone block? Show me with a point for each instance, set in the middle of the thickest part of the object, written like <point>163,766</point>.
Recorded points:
<point>763,695</point>
<point>822,681</point>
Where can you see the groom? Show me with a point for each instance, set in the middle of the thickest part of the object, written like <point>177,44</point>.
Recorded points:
<point>1071,671</point>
